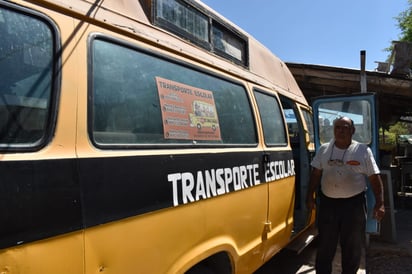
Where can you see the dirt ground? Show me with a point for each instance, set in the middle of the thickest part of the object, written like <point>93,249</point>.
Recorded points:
<point>387,257</point>
<point>382,256</point>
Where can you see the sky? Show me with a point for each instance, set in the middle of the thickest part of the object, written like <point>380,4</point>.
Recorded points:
<point>321,32</point>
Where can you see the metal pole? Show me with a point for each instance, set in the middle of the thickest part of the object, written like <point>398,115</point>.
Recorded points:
<point>363,71</point>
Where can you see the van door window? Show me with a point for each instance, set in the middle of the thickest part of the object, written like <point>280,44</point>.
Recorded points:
<point>358,110</point>
<point>307,116</point>
<point>272,119</point>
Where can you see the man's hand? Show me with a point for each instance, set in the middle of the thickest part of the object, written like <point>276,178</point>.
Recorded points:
<point>377,188</point>
<point>379,211</point>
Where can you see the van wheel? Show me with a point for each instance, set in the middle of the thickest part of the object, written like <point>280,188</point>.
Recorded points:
<point>200,269</point>
<point>217,264</point>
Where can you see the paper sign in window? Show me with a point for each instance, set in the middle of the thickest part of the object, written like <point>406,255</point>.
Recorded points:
<point>188,112</point>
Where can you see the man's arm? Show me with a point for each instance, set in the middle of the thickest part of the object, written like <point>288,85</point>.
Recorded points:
<point>314,183</point>
<point>377,188</point>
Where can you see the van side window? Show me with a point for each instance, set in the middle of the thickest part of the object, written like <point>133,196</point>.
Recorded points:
<point>27,47</point>
<point>307,116</point>
<point>292,120</point>
<point>272,119</point>
<point>138,98</point>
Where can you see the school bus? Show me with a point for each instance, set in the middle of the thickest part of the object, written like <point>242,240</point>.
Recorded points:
<point>101,170</point>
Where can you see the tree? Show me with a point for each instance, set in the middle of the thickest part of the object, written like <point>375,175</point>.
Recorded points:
<point>402,49</point>
<point>405,23</point>
<point>391,135</point>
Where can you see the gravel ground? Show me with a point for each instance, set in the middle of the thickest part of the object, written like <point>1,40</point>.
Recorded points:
<point>382,257</point>
<point>389,262</point>
<point>396,257</point>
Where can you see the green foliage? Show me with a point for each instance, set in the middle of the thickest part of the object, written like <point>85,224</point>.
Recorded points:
<point>400,128</point>
<point>394,131</point>
<point>405,23</point>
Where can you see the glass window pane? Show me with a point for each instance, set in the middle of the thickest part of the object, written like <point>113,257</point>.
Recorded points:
<point>292,122</point>
<point>139,98</point>
<point>26,54</point>
<point>272,119</point>
<point>307,116</point>
<point>358,111</point>
<point>192,23</point>
<point>227,43</point>
<point>183,18</point>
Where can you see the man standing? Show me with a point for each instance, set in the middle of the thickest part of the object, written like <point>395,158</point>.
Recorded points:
<point>341,168</point>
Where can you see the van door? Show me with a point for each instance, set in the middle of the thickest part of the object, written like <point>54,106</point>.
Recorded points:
<point>279,173</point>
<point>361,108</point>
<point>299,121</point>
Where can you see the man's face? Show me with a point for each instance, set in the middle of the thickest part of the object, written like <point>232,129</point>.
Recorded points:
<point>343,130</point>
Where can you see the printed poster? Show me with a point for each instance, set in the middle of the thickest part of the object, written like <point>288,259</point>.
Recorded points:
<point>188,112</point>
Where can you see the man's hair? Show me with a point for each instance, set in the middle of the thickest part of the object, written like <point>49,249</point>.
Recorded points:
<point>352,124</point>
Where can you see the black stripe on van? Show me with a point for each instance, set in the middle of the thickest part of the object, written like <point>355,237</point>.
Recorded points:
<point>40,199</point>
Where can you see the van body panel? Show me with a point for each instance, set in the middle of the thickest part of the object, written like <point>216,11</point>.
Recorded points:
<point>100,194</point>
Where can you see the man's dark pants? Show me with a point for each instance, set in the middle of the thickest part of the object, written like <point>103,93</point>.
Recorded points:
<point>341,220</point>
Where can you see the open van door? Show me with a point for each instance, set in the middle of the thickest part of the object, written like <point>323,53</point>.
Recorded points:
<point>361,108</point>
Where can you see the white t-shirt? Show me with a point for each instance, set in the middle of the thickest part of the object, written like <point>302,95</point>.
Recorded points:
<point>344,171</point>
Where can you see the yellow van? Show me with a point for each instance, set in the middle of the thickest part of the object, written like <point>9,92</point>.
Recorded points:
<point>106,165</point>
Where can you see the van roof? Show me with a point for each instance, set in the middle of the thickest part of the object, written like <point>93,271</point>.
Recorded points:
<point>264,68</point>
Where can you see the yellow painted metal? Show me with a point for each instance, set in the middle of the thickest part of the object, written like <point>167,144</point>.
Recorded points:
<point>63,255</point>
<point>172,240</point>
<point>254,224</point>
